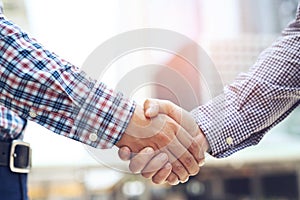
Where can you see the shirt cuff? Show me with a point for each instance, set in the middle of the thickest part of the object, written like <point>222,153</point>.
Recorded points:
<point>212,118</point>
<point>103,117</point>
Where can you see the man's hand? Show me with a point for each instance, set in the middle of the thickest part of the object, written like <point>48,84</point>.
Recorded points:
<point>165,135</point>
<point>160,169</point>
<point>157,166</point>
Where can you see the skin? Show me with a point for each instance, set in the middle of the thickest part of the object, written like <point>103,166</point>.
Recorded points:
<point>158,166</point>
<point>162,134</point>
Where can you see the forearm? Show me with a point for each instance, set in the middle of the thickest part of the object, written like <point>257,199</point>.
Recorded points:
<point>40,86</point>
<point>255,101</point>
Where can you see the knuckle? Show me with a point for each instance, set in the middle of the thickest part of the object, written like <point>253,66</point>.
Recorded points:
<point>194,146</point>
<point>192,166</point>
<point>177,167</point>
<point>170,127</point>
<point>188,161</point>
<point>171,107</point>
<point>163,140</point>
<point>181,171</point>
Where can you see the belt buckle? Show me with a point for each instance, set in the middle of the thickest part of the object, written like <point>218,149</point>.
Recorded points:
<point>13,155</point>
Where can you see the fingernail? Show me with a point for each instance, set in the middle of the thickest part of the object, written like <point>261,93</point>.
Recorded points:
<point>202,163</point>
<point>175,183</point>
<point>149,111</point>
<point>186,180</point>
<point>168,166</point>
<point>149,150</point>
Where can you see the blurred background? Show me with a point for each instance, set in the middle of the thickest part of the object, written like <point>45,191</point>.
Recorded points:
<point>232,32</point>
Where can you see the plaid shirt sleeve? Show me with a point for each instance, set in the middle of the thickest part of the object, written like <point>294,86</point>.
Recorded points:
<point>11,125</point>
<point>256,101</point>
<point>38,85</point>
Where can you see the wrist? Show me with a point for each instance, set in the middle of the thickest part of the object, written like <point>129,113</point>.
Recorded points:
<point>136,128</point>
<point>205,144</point>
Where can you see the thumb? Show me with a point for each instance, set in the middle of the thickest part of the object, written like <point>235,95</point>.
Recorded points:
<point>151,108</point>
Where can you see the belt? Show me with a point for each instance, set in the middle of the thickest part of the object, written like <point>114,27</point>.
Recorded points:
<point>16,155</point>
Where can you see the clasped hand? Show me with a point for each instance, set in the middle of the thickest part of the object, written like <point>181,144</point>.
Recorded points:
<point>163,142</point>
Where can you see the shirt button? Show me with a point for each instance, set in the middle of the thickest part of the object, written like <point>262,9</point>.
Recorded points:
<point>32,114</point>
<point>93,137</point>
<point>229,140</point>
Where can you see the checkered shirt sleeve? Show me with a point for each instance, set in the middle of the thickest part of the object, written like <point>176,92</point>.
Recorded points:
<point>11,125</point>
<point>256,101</point>
<point>38,85</point>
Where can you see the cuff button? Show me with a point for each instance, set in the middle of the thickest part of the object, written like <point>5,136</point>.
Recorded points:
<point>229,140</point>
<point>93,137</point>
<point>32,114</point>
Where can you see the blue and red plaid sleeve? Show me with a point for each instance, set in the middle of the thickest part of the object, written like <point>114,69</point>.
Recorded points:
<point>11,125</point>
<point>38,85</point>
<point>256,101</point>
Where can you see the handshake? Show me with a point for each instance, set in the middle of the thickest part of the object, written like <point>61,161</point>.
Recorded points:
<point>163,143</point>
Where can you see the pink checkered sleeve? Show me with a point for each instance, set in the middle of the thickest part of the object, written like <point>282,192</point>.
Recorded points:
<point>38,85</point>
